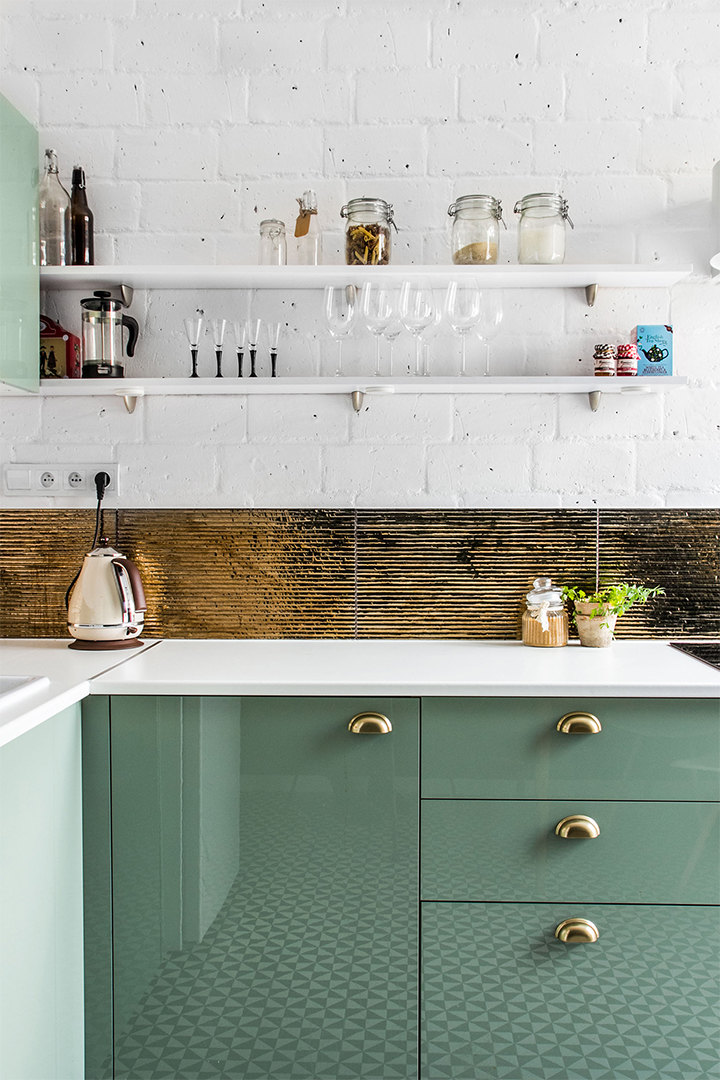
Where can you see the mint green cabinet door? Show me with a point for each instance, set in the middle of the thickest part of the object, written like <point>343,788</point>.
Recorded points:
<point>652,853</point>
<point>509,748</point>
<point>264,889</point>
<point>41,903</point>
<point>505,1000</point>
<point>19,273</point>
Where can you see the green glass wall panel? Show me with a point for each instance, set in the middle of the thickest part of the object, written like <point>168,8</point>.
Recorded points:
<point>503,998</point>
<point>19,273</point>
<point>41,914</point>
<point>659,853</point>
<point>509,748</point>
<point>296,955</point>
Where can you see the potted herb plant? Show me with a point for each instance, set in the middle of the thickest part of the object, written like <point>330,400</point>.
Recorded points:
<point>596,613</point>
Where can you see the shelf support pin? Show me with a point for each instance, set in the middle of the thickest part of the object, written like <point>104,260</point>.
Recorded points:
<point>130,396</point>
<point>594,397</point>
<point>357,400</point>
<point>591,294</point>
<point>127,293</point>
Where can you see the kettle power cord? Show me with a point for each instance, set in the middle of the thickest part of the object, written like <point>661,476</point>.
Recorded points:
<point>101,483</point>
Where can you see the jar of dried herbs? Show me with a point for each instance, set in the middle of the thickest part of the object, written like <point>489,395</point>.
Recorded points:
<point>367,233</point>
<point>475,229</point>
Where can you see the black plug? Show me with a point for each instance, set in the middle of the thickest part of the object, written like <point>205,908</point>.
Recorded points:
<point>101,483</point>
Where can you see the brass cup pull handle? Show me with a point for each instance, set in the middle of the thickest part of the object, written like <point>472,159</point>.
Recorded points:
<point>575,931</point>
<point>577,827</point>
<point>579,723</point>
<point>370,723</point>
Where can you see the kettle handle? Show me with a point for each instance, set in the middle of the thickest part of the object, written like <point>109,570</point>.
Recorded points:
<point>133,331</point>
<point>135,580</point>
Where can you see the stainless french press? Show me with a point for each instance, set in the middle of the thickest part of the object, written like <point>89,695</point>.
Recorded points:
<point>103,323</point>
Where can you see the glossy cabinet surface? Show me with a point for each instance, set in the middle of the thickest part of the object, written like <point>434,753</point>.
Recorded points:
<point>265,885</point>
<point>503,998</point>
<point>487,849</point>
<point>509,748</point>
<point>41,903</point>
<point>19,271</point>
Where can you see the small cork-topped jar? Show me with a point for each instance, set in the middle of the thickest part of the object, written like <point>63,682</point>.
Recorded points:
<point>545,621</point>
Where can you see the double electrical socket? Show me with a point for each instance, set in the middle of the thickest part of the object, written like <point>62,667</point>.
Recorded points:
<point>63,480</point>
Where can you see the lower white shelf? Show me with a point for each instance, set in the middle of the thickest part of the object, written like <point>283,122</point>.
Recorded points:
<point>132,389</point>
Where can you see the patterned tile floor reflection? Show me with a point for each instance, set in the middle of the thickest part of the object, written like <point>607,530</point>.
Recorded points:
<point>291,980</point>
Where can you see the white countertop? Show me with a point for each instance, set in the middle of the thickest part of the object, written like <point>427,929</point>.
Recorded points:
<point>460,668</point>
<point>347,667</point>
<point>69,673</point>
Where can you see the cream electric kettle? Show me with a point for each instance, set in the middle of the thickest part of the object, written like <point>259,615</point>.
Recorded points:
<point>106,609</point>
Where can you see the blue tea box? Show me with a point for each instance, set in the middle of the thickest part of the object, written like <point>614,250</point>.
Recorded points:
<point>655,349</point>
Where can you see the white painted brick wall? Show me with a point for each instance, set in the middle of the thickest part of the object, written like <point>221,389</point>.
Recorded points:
<point>194,122</point>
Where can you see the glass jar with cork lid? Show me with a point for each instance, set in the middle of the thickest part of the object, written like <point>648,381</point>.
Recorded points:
<point>545,620</point>
<point>475,235</point>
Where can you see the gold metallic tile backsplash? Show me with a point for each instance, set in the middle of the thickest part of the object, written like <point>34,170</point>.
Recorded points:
<point>366,573</point>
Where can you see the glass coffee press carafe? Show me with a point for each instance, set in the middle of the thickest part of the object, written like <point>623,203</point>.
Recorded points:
<point>103,323</point>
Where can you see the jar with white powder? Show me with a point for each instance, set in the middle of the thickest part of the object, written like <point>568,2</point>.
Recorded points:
<point>541,232</point>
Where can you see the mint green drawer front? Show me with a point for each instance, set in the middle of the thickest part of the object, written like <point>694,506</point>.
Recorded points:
<point>503,999</point>
<point>509,748</point>
<point>651,853</point>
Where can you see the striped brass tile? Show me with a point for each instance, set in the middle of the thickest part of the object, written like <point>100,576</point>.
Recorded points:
<point>462,573</point>
<point>411,574</point>
<point>243,573</point>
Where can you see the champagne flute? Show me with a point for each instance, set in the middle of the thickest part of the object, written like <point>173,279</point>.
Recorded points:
<point>218,335</point>
<point>379,305</point>
<point>239,330</point>
<point>252,328</point>
<point>491,313</point>
<point>462,308</point>
<point>273,332</point>
<point>193,330</point>
<point>417,311</point>
<point>340,312</point>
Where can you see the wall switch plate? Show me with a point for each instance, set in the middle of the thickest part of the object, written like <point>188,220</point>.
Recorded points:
<point>63,480</point>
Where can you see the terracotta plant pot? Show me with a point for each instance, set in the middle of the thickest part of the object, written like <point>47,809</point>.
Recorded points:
<point>596,627</point>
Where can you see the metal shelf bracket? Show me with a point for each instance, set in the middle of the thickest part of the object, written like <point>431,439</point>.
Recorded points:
<point>130,396</point>
<point>591,294</point>
<point>594,398</point>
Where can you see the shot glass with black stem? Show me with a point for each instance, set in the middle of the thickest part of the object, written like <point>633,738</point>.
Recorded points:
<point>239,331</point>
<point>273,332</point>
<point>253,337</point>
<point>193,330</point>
<point>218,333</point>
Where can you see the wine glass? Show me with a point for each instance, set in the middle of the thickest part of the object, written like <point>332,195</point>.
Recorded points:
<point>252,329</point>
<point>273,333</point>
<point>239,331</point>
<point>379,305</point>
<point>218,335</point>
<point>417,311</point>
<point>432,331</point>
<point>391,334</point>
<point>491,313</point>
<point>193,330</point>
<point>462,308</point>
<point>340,312</point>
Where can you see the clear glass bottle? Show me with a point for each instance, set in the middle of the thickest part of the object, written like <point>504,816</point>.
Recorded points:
<point>81,222</point>
<point>367,233</point>
<point>273,245</point>
<point>307,231</point>
<point>54,212</point>
<point>541,232</point>
<point>545,620</point>
<point>475,229</point>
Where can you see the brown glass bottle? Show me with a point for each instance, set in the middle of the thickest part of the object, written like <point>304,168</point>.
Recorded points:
<point>81,222</point>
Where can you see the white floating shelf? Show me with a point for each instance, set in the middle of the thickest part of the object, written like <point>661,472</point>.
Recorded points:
<point>316,277</point>
<point>130,390</point>
<point>520,384</point>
